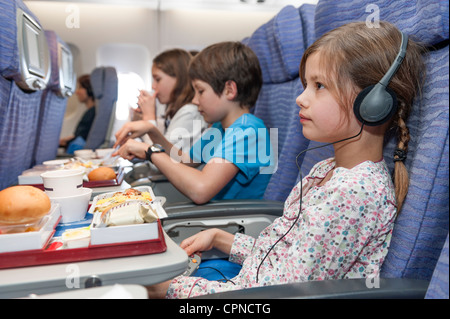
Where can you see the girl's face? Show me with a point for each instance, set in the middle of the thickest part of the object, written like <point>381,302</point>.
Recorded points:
<point>322,118</point>
<point>210,105</point>
<point>163,84</point>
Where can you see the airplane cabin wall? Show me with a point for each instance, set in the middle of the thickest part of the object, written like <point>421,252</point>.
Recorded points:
<point>102,24</point>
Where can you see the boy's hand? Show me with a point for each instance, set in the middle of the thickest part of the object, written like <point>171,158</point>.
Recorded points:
<point>132,130</point>
<point>132,149</point>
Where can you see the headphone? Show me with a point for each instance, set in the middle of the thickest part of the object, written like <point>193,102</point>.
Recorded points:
<point>376,104</point>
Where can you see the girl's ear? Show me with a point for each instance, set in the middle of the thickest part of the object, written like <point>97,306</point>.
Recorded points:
<point>230,90</point>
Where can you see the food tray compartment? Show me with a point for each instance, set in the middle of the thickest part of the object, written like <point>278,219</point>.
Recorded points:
<point>125,233</point>
<point>20,241</point>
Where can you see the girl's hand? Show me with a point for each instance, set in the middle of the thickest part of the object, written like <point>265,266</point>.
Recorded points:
<point>203,241</point>
<point>132,130</point>
<point>147,105</point>
<point>132,149</point>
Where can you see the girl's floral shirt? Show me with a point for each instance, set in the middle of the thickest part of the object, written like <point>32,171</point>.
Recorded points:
<point>343,231</point>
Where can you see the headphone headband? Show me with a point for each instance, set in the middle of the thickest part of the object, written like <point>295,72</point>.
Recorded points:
<point>397,62</point>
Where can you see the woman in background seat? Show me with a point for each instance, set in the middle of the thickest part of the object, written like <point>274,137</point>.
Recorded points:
<point>85,95</point>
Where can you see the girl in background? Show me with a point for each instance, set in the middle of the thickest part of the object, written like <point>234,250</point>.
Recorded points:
<point>172,87</point>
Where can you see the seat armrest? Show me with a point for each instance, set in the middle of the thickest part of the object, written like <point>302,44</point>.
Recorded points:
<point>389,288</point>
<point>234,207</point>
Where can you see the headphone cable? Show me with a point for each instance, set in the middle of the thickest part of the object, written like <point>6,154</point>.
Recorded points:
<point>301,193</point>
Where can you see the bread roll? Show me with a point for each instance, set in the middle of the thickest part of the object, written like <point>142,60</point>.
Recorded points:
<point>102,174</point>
<point>23,204</point>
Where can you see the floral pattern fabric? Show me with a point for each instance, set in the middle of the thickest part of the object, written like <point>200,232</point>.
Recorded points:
<point>343,231</point>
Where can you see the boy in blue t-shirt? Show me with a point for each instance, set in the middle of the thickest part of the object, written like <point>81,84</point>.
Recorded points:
<point>236,149</point>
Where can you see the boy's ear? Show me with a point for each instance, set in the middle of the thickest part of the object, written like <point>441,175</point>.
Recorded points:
<point>230,90</point>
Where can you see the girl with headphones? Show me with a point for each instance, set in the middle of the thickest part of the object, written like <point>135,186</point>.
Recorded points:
<point>338,221</point>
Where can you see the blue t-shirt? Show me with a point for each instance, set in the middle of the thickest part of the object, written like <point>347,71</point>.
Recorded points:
<point>246,144</point>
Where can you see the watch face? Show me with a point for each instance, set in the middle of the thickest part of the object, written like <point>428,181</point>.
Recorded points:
<point>157,148</point>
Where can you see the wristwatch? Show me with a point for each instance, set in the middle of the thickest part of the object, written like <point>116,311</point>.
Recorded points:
<point>155,148</point>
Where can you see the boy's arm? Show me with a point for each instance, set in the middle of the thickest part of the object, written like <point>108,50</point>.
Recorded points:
<point>199,186</point>
<point>174,152</point>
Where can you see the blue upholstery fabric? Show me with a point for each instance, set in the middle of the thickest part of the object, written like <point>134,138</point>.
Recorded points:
<point>438,288</point>
<point>426,20</point>
<point>52,108</point>
<point>279,45</point>
<point>105,85</point>
<point>18,127</point>
<point>18,110</point>
<point>9,56</point>
<point>422,226</point>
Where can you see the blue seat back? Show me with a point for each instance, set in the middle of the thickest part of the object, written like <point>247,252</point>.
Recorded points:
<point>19,110</point>
<point>53,106</point>
<point>438,288</point>
<point>105,86</point>
<point>422,226</point>
<point>279,45</point>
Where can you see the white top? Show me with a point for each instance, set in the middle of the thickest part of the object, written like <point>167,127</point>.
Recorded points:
<point>184,129</point>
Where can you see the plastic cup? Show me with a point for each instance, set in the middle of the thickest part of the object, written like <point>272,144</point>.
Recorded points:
<point>65,182</point>
<point>73,207</point>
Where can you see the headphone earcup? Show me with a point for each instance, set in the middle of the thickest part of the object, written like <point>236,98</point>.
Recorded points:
<point>375,105</point>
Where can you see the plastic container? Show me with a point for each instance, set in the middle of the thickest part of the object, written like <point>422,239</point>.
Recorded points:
<point>84,154</point>
<point>125,233</point>
<point>30,240</point>
<point>65,182</point>
<point>73,207</point>
<point>76,238</point>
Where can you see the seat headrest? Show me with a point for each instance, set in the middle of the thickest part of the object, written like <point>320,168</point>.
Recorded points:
<point>52,41</point>
<point>9,50</point>
<point>278,44</point>
<point>425,20</point>
<point>62,78</point>
<point>101,79</point>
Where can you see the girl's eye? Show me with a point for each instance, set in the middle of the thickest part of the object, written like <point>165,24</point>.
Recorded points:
<point>320,86</point>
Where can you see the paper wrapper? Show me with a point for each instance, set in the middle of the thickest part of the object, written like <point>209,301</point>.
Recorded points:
<point>129,213</point>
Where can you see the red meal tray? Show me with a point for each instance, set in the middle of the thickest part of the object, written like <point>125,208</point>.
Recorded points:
<point>47,257</point>
<point>110,182</point>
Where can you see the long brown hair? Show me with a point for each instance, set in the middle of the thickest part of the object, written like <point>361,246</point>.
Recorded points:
<point>356,57</point>
<point>175,63</point>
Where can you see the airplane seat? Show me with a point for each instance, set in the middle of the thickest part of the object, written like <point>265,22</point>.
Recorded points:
<point>23,77</point>
<point>104,83</point>
<point>422,226</point>
<point>438,288</point>
<point>279,45</point>
<point>54,99</point>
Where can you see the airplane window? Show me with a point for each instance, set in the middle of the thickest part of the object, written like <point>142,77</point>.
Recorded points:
<point>133,66</point>
<point>129,86</point>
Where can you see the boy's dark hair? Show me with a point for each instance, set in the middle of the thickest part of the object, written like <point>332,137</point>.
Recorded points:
<point>229,61</point>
